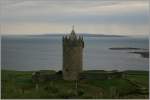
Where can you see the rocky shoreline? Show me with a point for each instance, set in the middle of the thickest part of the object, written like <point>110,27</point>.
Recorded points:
<point>127,48</point>
<point>142,51</point>
<point>144,54</point>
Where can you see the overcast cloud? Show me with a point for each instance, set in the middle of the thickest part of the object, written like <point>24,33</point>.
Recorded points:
<point>127,17</point>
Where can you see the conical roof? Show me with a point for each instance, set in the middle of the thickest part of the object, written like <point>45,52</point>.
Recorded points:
<point>73,34</point>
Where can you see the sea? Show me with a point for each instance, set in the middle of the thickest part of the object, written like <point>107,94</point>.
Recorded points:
<point>32,53</point>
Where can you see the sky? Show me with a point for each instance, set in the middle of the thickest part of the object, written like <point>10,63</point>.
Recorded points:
<point>119,17</point>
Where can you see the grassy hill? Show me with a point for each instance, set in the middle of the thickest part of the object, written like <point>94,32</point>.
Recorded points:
<point>19,84</point>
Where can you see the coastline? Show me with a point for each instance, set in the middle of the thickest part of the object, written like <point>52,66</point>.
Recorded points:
<point>142,51</point>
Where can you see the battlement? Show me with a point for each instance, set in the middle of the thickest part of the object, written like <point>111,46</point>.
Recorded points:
<point>72,40</point>
<point>76,41</point>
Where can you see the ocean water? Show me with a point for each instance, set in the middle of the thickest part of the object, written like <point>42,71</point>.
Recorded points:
<point>45,53</point>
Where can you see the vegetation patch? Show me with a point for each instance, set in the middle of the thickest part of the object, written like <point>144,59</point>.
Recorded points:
<point>20,84</point>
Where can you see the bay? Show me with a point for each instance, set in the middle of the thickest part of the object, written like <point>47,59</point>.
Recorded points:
<point>45,53</point>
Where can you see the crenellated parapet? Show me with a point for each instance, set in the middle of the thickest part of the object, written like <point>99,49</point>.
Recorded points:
<point>76,41</point>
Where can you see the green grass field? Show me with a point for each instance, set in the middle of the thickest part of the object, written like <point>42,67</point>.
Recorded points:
<point>18,84</point>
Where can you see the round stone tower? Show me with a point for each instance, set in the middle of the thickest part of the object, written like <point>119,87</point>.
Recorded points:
<point>72,55</point>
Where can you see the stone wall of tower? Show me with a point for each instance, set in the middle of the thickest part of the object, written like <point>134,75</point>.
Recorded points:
<point>72,57</point>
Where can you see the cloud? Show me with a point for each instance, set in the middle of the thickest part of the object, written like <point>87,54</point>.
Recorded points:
<point>80,12</point>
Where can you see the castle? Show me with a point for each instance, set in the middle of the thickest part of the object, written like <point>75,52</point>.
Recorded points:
<point>72,64</point>
<point>72,56</point>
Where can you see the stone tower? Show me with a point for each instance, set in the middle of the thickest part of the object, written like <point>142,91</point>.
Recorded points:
<point>72,55</point>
